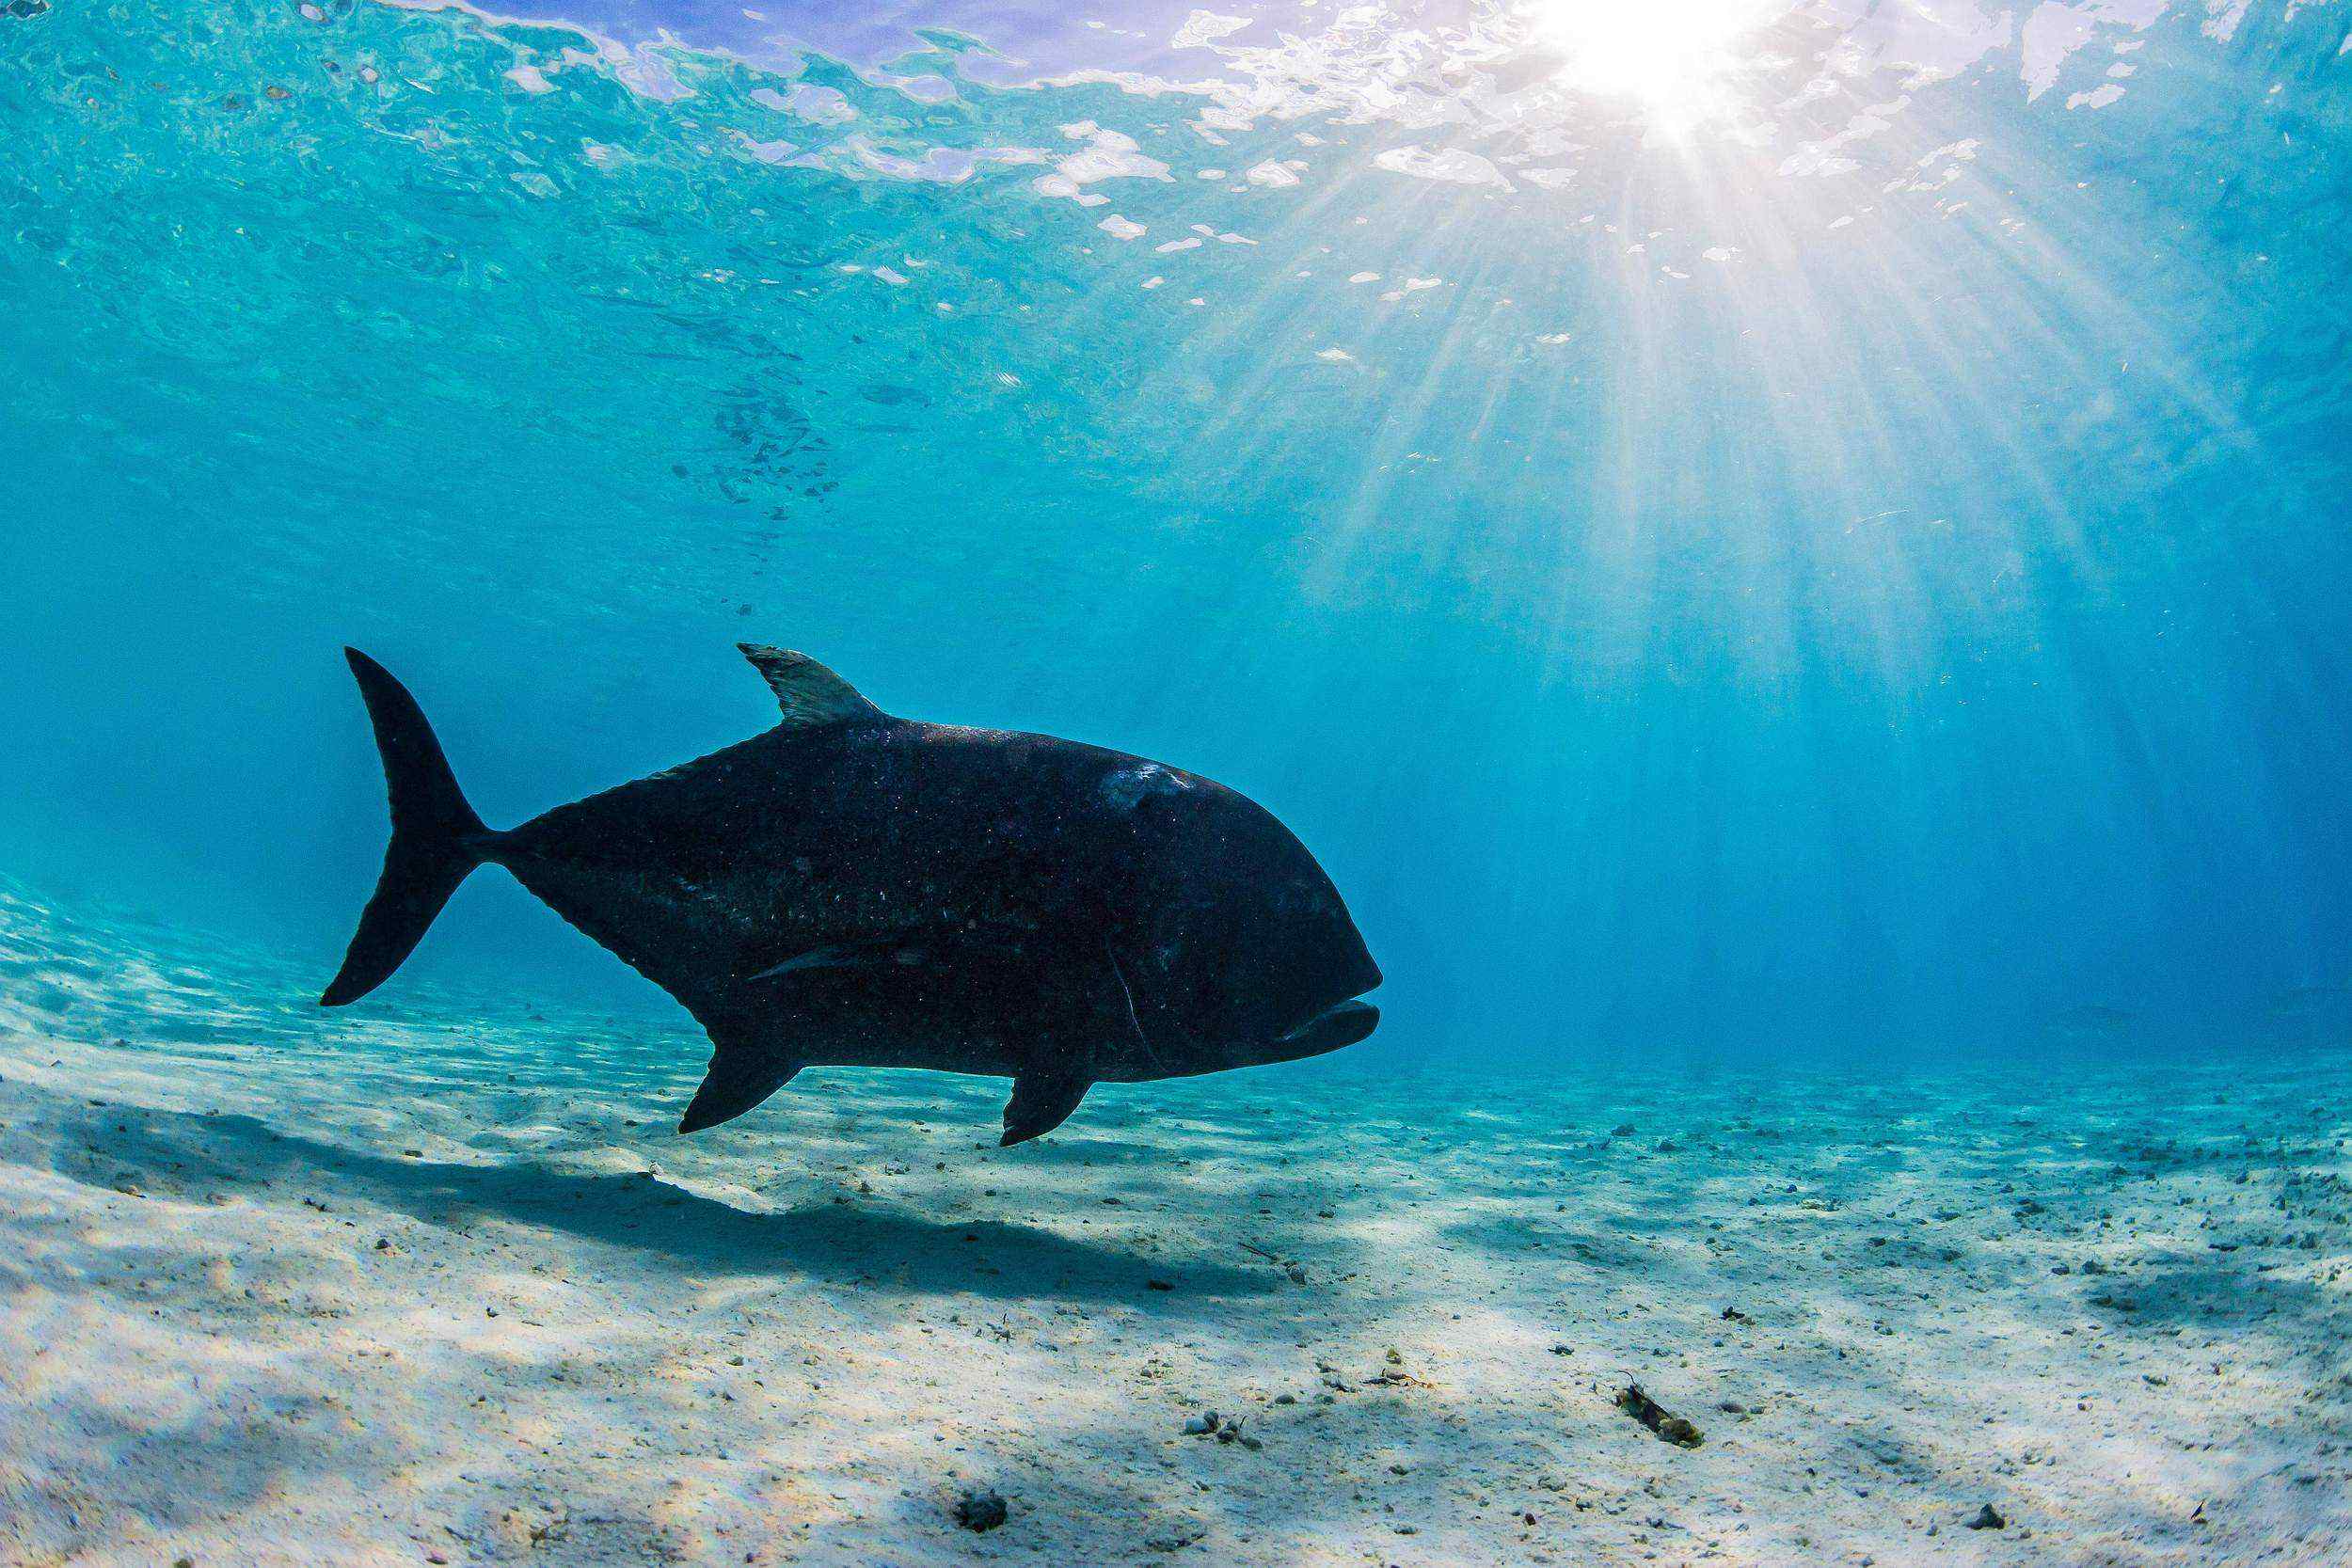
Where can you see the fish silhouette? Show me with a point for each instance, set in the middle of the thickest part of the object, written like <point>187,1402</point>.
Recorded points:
<point>850,889</point>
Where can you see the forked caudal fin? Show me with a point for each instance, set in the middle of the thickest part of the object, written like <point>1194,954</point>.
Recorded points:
<point>436,838</point>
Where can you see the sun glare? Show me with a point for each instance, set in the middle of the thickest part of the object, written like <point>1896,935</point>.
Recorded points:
<point>1671,54</point>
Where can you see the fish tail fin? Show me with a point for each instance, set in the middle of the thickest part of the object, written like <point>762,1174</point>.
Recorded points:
<point>436,838</point>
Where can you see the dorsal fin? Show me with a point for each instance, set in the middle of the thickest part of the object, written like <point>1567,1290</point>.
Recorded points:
<point>809,693</point>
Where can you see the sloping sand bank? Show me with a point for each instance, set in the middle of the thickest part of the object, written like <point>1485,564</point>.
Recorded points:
<point>284,1288</point>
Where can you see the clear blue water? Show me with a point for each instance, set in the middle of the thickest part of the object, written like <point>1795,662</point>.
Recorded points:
<point>1831,541</point>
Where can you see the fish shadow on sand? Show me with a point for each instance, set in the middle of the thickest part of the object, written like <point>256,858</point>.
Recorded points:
<point>195,1157</point>
<point>2153,1299</point>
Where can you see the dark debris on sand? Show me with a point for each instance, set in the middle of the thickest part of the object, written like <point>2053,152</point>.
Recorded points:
<point>1669,1426</point>
<point>980,1509</point>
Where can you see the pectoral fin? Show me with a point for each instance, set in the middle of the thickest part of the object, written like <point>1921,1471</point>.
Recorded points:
<point>874,955</point>
<point>1041,1100</point>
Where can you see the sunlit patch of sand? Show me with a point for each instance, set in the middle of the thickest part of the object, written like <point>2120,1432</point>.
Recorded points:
<point>279,1287</point>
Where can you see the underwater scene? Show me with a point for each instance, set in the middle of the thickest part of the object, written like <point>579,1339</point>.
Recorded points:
<point>1286,782</point>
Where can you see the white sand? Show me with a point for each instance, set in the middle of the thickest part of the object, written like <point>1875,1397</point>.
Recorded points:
<point>279,1287</point>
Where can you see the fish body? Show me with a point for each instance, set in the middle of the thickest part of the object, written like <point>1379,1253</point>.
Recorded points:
<point>853,889</point>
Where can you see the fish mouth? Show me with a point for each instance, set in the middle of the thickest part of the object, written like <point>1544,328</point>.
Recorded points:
<point>1342,1024</point>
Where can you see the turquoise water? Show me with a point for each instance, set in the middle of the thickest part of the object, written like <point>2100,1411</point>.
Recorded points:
<point>1789,560</point>
<point>1819,536</point>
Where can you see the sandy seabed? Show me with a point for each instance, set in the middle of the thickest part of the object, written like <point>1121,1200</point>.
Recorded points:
<point>279,1287</point>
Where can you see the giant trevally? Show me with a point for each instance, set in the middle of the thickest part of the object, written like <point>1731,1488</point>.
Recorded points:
<point>852,889</point>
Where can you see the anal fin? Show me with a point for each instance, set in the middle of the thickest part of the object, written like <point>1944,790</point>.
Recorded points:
<point>1041,1100</point>
<point>737,1082</point>
<point>746,1066</point>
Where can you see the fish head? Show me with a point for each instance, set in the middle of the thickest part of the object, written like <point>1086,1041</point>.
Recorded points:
<point>1236,948</point>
